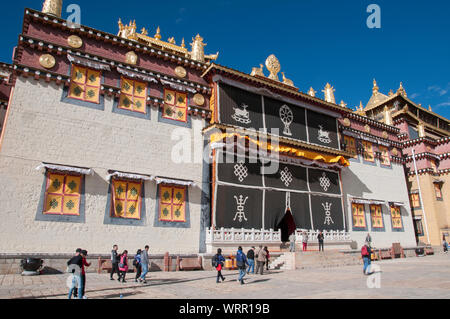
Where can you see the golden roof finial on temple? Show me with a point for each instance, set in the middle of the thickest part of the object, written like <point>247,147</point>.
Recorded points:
<point>375,88</point>
<point>287,81</point>
<point>258,71</point>
<point>401,90</point>
<point>171,40</point>
<point>273,65</point>
<point>52,7</point>
<point>183,45</point>
<point>312,92</point>
<point>329,93</point>
<point>429,108</point>
<point>158,34</point>
<point>343,104</point>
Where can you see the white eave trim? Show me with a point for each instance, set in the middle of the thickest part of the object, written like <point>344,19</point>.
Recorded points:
<point>64,168</point>
<point>161,180</point>
<point>129,175</point>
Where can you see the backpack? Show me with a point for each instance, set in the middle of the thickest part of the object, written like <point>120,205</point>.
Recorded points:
<point>214,261</point>
<point>364,251</point>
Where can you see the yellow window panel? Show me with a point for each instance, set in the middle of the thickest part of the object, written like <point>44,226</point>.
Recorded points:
<point>139,105</point>
<point>93,78</point>
<point>178,196</point>
<point>76,91</point>
<point>169,111</point>
<point>71,205</point>
<point>166,195</point>
<point>165,213</point>
<point>132,209</point>
<point>181,99</point>
<point>127,86</point>
<point>181,114</point>
<point>119,208</point>
<point>140,89</point>
<point>134,191</point>
<point>54,204</point>
<point>56,183</point>
<point>169,97</point>
<point>73,184</point>
<point>179,214</point>
<point>79,74</point>
<point>120,189</point>
<point>92,94</point>
<point>125,102</point>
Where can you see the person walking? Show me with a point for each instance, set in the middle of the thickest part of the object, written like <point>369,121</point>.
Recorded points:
<point>123,265</point>
<point>74,265</point>
<point>292,242</point>
<point>219,262</point>
<point>83,272</point>
<point>144,264</point>
<point>444,244</point>
<point>305,241</point>
<point>251,260</point>
<point>267,258</point>
<point>320,239</point>
<point>114,262</point>
<point>261,258</point>
<point>365,254</point>
<point>242,264</point>
<point>137,264</point>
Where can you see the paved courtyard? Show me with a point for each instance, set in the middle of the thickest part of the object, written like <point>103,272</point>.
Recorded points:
<point>426,277</point>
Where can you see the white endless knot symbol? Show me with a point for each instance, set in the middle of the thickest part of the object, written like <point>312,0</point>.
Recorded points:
<point>240,202</point>
<point>241,171</point>
<point>325,182</point>
<point>286,176</point>
<point>328,218</point>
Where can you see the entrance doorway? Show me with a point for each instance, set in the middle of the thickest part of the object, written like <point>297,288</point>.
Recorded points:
<point>287,226</point>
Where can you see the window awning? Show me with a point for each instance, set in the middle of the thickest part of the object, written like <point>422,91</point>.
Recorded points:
<point>161,180</point>
<point>177,86</point>
<point>129,175</point>
<point>65,168</point>
<point>401,204</point>
<point>367,201</point>
<point>417,217</point>
<point>438,181</point>
<point>89,63</point>
<point>136,75</point>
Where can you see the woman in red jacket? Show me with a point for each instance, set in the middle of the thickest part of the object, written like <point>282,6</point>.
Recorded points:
<point>123,265</point>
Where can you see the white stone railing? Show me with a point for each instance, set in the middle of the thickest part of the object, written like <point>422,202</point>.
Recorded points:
<point>233,235</point>
<point>328,236</point>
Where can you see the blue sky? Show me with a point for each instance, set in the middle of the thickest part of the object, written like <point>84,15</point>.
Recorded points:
<point>316,41</point>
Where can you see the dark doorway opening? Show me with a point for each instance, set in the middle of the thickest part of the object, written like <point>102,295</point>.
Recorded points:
<point>287,226</point>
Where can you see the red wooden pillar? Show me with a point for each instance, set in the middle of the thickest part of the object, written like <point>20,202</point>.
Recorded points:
<point>166,262</point>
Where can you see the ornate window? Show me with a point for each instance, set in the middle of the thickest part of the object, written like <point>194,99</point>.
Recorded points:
<point>415,202</point>
<point>385,160</point>
<point>396,217</point>
<point>368,151</point>
<point>175,106</point>
<point>62,194</point>
<point>85,84</point>
<point>172,203</point>
<point>438,190</point>
<point>376,216</point>
<point>133,96</point>
<point>127,199</point>
<point>350,145</point>
<point>419,227</point>
<point>358,214</point>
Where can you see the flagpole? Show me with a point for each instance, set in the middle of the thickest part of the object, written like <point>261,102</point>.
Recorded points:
<point>420,196</point>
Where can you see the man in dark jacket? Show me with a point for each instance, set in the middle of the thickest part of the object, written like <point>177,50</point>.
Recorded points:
<point>75,265</point>
<point>320,239</point>
<point>241,261</point>
<point>251,260</point>
<point>114,262</point>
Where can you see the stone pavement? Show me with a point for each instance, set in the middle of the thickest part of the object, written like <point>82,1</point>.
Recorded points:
<point>423,277</point>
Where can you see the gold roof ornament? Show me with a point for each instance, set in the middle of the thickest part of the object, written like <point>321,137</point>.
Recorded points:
<point>157,34</point>
<point>287,81</point>
<point>183,45</point>
<point>421,129</point>
<point>391,93</point>
<point>197,49</point>
<point>258,71</point>
<point>127,31</point>
<point>375,88</point>
<point>311,92</point>
<point>171,40</point>
<point>388,116</point>
<point>52,7</point>
<point>429,108</point>
<point>343,104</point>
<point>329,93</point>
<point>401,90</point>
<point>273,65</point>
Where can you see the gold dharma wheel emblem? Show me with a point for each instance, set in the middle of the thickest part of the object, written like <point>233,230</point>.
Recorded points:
<point>385,134</point>
<point>180,71</point>
<point>273,65</point>
<point>346,122</point>
<point>394,151</point>
<point>199,99</point>
<point>367,128</point>
<point>47,61</point>
<point>131,58</point>
<point>75,41</point>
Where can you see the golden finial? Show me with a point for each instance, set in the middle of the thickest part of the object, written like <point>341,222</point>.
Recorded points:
<point>198,51</point>
<point>361,106</point>
<point>401,90</point>
<point>311,92</point>
<point>158,34</point>
<point>375,87</point>
<point>52,7</point>
<point>171,40</point>
<point>287,81</point>
<point>273,65</point>
<point>391,93</point>
<point>329,93</point>
<point>343,104</point>
<point>429,108</point>
<point>183,45</point>
<point>144,31</point>
<point>258,71</point>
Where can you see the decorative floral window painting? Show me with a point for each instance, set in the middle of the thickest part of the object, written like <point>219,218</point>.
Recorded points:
<point>62,194</point>
<point>85,84</point>
<point>368,151</point>
<point>359,219</point>
<point>385,160</point>
<point>376,216</point>
<point>350,145</point>
<point>396,217</point>
<point>127,200</point>
<point>172,203</point>
<point>415,202</point>
<point>133,96</point>
<point>175,106</point>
